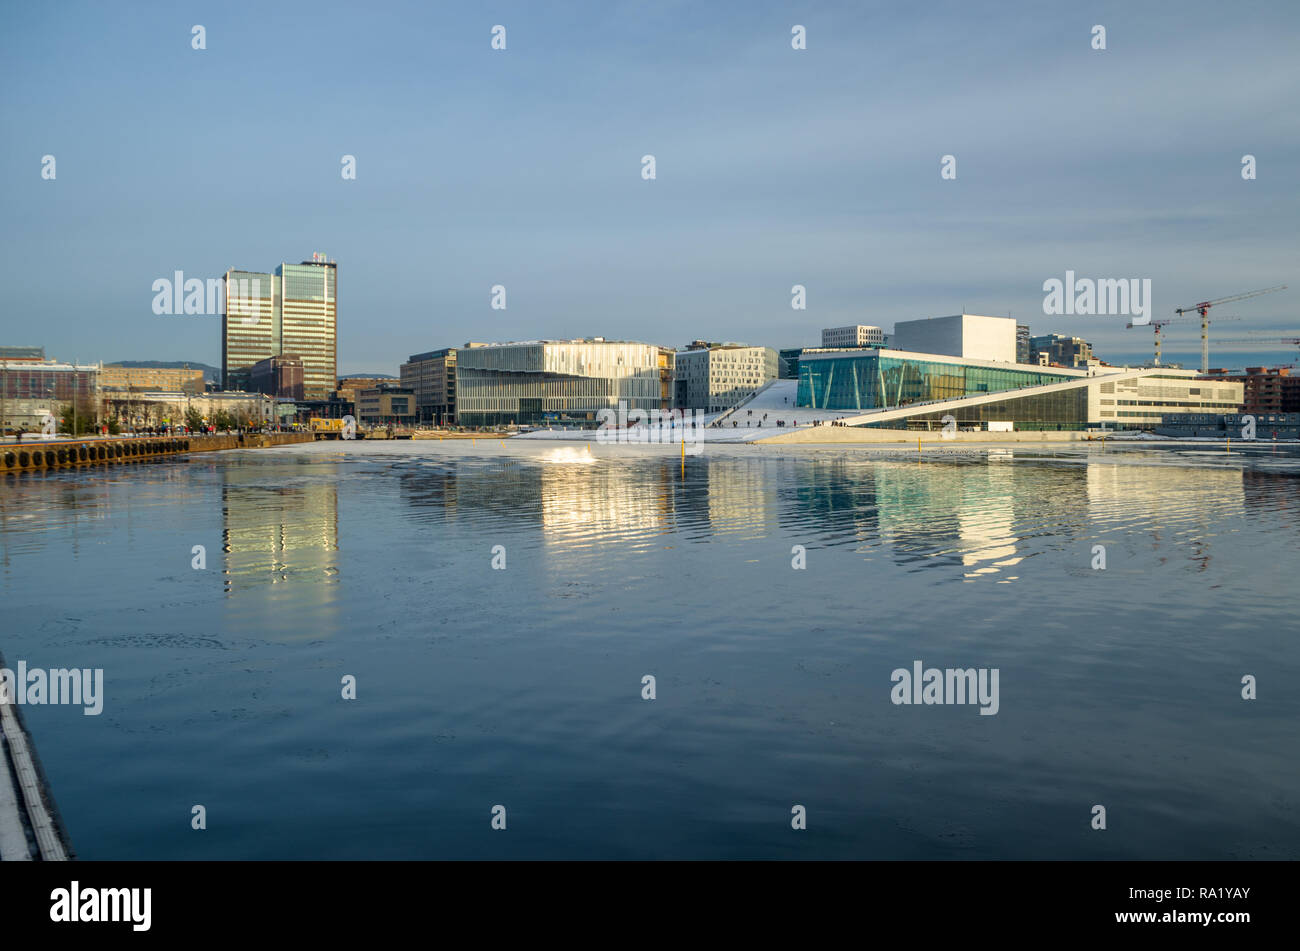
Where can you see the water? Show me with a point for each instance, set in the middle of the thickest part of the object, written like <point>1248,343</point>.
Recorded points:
<point>522,687</point>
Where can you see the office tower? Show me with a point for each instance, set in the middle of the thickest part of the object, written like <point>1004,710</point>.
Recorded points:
<point>292,311</point>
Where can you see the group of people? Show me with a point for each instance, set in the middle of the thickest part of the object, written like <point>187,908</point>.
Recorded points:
<point>759,423</point>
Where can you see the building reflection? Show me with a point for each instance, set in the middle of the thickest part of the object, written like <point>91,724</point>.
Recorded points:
<point>275,534</point>
<point>980,515</point>
<point>1179,504</point>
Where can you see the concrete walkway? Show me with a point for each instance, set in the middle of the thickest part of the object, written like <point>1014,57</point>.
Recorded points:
<point>26,811</point>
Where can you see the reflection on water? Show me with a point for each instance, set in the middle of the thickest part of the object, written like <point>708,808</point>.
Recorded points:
<point>273,532</point>
<point>477,685</point>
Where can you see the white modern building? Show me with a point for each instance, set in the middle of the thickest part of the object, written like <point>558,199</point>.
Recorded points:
<point>560,381</point>
<point>858,335</point>
<point>970,336</point>
<point>716,377</point>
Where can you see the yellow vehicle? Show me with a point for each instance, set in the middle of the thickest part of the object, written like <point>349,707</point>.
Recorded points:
<point>333,427</point>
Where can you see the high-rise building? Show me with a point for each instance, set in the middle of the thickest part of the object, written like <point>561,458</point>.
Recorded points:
<point>292,311</point>
<point>857,335</point>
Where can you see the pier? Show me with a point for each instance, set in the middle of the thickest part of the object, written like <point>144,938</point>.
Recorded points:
<point>110,450</point>
<point>30,828</point>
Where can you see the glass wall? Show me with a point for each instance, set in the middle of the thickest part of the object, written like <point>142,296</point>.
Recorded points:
<point>872,381</point>
<point>1064,409</point>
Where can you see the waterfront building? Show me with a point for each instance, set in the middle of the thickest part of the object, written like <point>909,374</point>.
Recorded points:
<point>335,407</point>
<point>386,403</point>
<point>787,360</point>
<point>432,376</point>
<point>667,376</point>
<point>151,378</point>
<point>902,389</point>
<point>291,311</point>
<point>560,381</point>
<point>1268,426</point>
<point>30,390</point>
<point>972,336</point>
<point>1265,389</point>
<point>715,377</point>
<point>855,336</point>
<point>135,410</point>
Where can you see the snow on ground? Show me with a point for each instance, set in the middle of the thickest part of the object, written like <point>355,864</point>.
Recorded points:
<point>773,404</point>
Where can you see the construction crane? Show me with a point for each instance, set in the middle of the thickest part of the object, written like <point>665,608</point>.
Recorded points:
<point>1158,326</point>
<point>1203,308</point>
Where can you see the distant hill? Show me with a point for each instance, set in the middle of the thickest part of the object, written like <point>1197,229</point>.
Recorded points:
<point>368,376</point>
<point>211,374</point>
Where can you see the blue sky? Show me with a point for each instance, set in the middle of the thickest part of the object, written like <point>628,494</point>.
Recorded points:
<point>522,167</point>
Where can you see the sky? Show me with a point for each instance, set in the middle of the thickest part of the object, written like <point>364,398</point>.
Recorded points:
<point>523,167</point>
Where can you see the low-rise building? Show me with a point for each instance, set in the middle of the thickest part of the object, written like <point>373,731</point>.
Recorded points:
<point>855,336</point>
<point>715,377</point>
<point>388,403</point>
<point>153,379</point>
<point>1060,351</point>
<point>136,410</point>
<point>1262,427</point>
<point>351,386</point>
<point>278,376</point>
<point>567,382</point>
<point>31,390</point>
<point>1265,389</point>
<point>899,389</point>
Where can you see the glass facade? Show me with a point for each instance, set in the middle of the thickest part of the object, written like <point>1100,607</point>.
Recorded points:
<point>250,329</point>
<point>1063,409</point>
<point>308,317</point>
<point>294,310</point>
<point>876,380</point>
